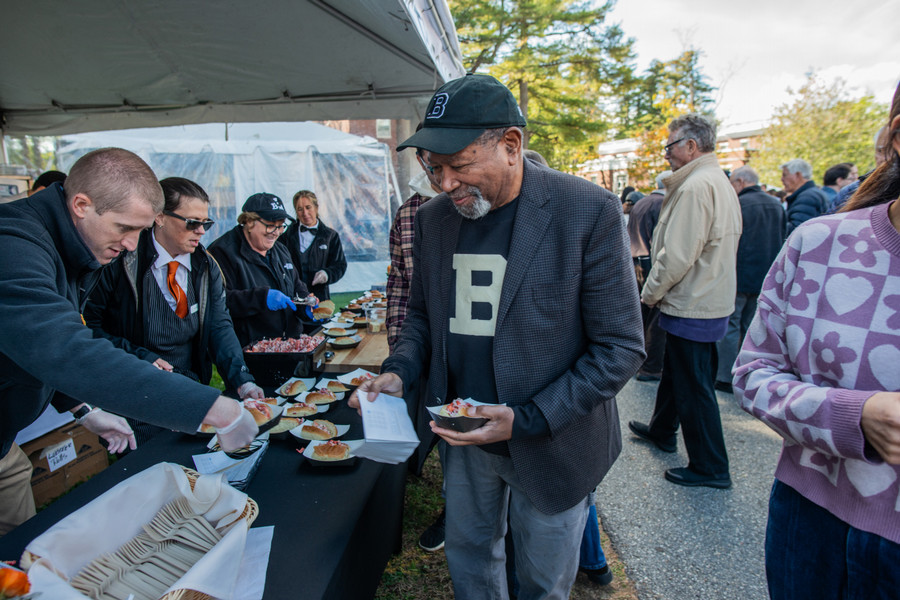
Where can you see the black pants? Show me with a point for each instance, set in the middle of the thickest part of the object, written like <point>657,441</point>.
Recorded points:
<point>654,340</point>
<point>687,395</point>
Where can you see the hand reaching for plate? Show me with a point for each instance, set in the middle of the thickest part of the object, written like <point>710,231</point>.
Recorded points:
<point>386,383</point>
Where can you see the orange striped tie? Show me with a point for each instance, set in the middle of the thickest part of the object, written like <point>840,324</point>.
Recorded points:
<point>181,306</point>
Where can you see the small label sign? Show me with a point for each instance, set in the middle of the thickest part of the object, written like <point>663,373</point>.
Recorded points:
<point>60,454</point>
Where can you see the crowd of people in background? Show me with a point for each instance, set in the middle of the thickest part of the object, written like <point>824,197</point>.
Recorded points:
<point>789,299</point>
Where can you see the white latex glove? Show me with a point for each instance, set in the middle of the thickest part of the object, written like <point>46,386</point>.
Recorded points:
<point>239,433</point>
<point>114,429</point>
<point>250,390</point>
<point>320,278</point>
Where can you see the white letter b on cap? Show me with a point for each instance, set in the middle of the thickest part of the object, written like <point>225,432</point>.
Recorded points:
<point>437,109</point>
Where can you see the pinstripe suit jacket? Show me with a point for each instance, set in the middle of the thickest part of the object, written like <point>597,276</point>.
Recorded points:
<point>568,330</point>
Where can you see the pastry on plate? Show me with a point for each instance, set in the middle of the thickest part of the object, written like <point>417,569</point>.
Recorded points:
<point>321,396</point>
<point>301,409</point>
<point>331,450</point>
<point>320,429</point>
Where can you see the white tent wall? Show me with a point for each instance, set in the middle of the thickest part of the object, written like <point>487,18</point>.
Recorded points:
<point>352,177</point>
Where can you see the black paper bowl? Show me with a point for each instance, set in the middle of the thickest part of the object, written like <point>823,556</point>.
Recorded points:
<point>345,342</point>
<point>460,424</point>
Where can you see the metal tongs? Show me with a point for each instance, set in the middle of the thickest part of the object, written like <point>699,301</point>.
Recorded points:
<point>307,301</point>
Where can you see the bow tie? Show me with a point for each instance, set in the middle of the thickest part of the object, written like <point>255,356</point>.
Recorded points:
<point>312,230</point>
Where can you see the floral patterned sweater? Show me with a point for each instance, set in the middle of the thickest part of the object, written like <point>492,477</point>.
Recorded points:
<point>825,338</point>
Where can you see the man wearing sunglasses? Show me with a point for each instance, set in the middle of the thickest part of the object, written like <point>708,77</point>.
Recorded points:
<point>260,276</point>
<point>165,301</point>
<point>53,245</point>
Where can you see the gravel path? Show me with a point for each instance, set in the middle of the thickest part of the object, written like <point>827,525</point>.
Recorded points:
<point>690,543</point>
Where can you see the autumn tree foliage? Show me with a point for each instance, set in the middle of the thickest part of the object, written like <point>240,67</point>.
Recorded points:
<point>823,125</point>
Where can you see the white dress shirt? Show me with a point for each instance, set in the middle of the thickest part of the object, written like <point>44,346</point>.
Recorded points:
<point>161,270</point>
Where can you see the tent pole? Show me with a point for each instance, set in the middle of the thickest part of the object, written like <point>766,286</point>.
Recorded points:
<point>3,147</point>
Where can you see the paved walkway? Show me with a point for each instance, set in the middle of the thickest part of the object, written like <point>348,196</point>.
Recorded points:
<point>690,543</point>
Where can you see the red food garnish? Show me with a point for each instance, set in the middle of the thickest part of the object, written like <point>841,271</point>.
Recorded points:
<point>304,343</point>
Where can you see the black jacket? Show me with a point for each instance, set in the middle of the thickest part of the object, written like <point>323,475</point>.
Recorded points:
<point>762,237</point>
<point>114,311</point>
<point>248,279</point>
<point>46,274</point>
<point>804,204</point>
<point>325,253</point>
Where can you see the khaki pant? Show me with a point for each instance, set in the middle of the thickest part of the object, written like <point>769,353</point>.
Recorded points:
<point>16,499</point>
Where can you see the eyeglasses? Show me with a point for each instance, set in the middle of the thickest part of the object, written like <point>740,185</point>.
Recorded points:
<point>192,224</point>
<point>273,227</point>
<point>668,147</point>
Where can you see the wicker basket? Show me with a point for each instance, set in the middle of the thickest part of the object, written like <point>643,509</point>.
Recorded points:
<point>250,512</point>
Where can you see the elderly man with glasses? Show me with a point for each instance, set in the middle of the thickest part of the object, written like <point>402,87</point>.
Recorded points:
<point>693,282</point>
<point>260,278</point>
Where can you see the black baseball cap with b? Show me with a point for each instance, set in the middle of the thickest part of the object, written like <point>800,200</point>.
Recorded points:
<point>461,110</point>
<point>268,206</point>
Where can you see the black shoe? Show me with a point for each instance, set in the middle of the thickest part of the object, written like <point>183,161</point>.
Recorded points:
<point>641,376</point>
<point>685,476</point>
<point>599,576</point>
<point>643,432</point>
<point>432,539</point>
<point>724,386</point>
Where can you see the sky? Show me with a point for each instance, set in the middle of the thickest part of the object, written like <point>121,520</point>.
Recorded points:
<point>754,51</point>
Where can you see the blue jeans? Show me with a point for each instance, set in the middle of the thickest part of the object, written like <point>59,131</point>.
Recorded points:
<point>811,554</point>
<point>591,556</point>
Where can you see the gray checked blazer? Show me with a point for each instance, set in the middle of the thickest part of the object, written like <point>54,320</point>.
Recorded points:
<point>568,332</point>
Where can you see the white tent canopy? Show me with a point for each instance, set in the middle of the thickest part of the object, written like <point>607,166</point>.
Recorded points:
<point>92,65</point>
<point>352,176</point>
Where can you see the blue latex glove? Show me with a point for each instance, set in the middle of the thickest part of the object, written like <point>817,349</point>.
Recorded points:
<point>276,300</point>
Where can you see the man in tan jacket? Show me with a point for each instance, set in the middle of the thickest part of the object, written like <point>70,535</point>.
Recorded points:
<point>693,282</point>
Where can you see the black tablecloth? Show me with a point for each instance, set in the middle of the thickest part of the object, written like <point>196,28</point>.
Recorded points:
<point>335,527</point>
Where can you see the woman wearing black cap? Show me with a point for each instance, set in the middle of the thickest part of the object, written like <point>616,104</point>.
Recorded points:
<point>260,277</point>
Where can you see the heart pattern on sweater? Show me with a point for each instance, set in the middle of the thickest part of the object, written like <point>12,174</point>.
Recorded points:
<point>869,479</point>
<point>845,293</point>
<point>884,361</point>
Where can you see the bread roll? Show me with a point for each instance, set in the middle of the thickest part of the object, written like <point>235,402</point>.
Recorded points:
<point>337,387</point>
<point>321,396</point>
<point>331,450</point>
<point>261,411</point>
<point>293,388</point>
<point>301,409</point>
<point>337,331</point>
<point>319,429</point>
<point>284,425</point>
<point>362,378</point>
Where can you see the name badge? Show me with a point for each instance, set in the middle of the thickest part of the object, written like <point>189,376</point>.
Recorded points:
<point>288,265</point>
<point>194,308</point>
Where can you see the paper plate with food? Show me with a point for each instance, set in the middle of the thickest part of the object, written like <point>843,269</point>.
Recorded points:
<point>284,426</point>
<point>304,409</point>
<point>319,396</point>
<point>318,429</point>
<point>331,453</point>
<point>333,331</point>
<point>265,414</point>
<point>295,386</point>
<point>345,342</point>
<point>334,385</point>
<point>455,415</point>
<point>355,378</point>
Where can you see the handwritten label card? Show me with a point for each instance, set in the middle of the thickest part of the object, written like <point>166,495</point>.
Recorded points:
<point>60,454</point>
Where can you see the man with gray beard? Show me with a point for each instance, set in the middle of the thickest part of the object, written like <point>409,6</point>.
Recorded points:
<point>522,298</point>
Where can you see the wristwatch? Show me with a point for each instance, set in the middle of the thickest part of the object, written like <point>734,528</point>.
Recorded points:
<point>82,413</point>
